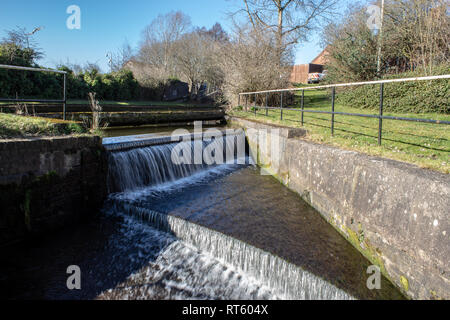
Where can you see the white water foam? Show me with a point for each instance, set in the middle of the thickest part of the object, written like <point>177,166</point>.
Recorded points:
<point>179,271</point>
<point>287,280</point>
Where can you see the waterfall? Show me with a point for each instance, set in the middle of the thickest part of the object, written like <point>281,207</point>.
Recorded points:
<point>154,165</point>
<point>285,279</point>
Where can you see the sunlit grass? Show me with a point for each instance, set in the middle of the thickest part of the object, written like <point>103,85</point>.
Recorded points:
<point>14,126</point>
<point>423,144</point>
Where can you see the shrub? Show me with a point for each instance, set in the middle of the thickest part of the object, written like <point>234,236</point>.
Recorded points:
<point>414,97</point>
<point>119,85</point>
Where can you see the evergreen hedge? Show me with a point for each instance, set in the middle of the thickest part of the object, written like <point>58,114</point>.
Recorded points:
<point>406,97</point>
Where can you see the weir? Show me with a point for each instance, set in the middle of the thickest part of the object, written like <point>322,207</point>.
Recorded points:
<point>230,211</point>
<point>287,280</point>
<point>160,160</point>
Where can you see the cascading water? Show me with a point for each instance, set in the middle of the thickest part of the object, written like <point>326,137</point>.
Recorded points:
<point>153,166</point>
<point>173,269</point>
<point>196,204</point>
<point>174,230</point>
<point>285,279</point>
<point>156,165</point>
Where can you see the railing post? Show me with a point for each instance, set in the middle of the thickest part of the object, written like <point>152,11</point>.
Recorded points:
<point>380,125</point>
<point>267,104</point>
<point>239,100</point>
<point>281,106</point>
<point>255,104</point>
<point>333,94</point>
<point>65,98</point>
<point>246,103</point>
<point>303,107</point>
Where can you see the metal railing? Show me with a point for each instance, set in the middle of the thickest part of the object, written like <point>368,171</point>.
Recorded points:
<point>63,101</point>
<point>333,87</point>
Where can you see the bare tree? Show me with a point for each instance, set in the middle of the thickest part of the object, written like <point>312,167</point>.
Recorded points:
<point>96,122</point>
<point>194,57</point>
<point>352,47</point>
<point>120,58</point>
<point>92,68</point>
<point>24,40</point>
<point>216,33</point>
<point>76,68</point>
<point>249,63</point>
<point>247,59</point>
<point>415,36</point>
<point>288,20</point>
<point>419,30</point>
<point>157,45</point>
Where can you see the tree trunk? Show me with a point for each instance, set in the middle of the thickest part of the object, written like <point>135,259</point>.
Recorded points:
<point>280,32</point>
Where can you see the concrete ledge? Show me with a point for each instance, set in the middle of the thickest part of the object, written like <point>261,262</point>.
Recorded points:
<point>394,213</point>
<point>45,108</point>
<point>284,131</point>
<point>47,183</point>
<point>141,141</point>
<point>130,118</point>
<point>20,157</point>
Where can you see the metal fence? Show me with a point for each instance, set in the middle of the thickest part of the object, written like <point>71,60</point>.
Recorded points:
<point>333,87</point>
<point>63,101</point>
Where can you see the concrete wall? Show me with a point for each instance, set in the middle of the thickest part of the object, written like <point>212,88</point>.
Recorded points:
<point>145,118</point>
<point>47,183</point>
<point>44,108</point>
<point>128,118</point>
<point>394,213</point>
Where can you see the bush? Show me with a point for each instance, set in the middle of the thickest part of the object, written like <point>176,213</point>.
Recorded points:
<point>119,85</point>
<point>413,97</point>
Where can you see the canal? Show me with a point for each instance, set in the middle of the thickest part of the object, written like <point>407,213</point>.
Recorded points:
<point>200,231</point>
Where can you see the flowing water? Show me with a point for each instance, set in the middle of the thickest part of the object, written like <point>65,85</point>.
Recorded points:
<point>184,231</point>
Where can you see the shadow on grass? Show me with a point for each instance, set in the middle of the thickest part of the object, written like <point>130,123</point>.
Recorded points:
<point>376,128</point>
<point>369,135</point>
<point>8,132</point>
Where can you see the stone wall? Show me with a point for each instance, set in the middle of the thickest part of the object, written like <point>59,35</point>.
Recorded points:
<point>45,108</point>
<point>394,213</point>
<point>128,118</point>
<point>47,183</point>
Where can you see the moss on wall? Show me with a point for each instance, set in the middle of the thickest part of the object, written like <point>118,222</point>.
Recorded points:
<point>37,202</point>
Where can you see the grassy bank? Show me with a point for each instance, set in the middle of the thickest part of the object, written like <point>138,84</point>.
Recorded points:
<point>14,126</point>
<point>426,145</point>
<point>405,97</point>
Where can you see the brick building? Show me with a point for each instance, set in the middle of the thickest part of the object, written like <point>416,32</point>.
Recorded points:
<point>300,72</point>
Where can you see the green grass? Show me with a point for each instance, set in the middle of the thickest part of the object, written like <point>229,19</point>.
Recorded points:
<point>426,145</point>
<point>14,126</point>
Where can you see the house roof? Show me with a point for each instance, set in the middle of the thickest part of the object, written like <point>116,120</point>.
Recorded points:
<point>322,57</point>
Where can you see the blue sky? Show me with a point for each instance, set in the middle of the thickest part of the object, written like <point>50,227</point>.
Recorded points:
<point>105,25</point>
